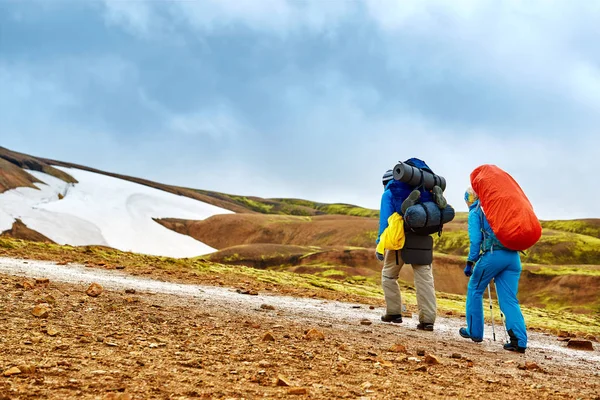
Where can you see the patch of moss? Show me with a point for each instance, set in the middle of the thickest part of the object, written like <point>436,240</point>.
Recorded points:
<point>582,227</point>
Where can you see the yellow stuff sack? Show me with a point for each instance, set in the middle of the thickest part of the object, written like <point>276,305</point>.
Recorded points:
<point>392,237</point>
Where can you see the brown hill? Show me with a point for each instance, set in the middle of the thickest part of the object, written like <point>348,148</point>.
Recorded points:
<point>222,231</point>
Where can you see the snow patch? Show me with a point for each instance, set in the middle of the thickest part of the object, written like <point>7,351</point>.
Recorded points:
<point>102,210</point>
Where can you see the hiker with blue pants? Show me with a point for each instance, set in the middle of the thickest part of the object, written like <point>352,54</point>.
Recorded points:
<point>488,259</point>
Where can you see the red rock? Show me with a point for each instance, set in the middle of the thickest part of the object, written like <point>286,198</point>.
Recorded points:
<point>94,290</point>
<point>41,310</point>
<point>12,371</point>
<point>431,359</point>
<point>314,334</point>
<point>282,381</point>
<point>268,337</point>
<point>298,391</point>
<point>398,348</point>
<point>579,344</point>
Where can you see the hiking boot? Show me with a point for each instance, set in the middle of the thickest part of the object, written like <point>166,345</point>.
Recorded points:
<point>411,200</point>
<point>395,318</point>
<point>438,197</point>
<point>514,347</point>
<point>465,333</point>
<point>425,327</point>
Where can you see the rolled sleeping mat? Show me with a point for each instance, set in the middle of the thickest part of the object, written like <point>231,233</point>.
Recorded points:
<point>414,176</point>
<point>427,215</point>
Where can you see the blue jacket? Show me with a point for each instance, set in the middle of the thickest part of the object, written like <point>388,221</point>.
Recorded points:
<point>481,235</point>
<point>395,193</point>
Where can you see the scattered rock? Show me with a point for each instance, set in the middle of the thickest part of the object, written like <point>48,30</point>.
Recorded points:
<point>130,291</point>
<point>420,352</point>
<point>120,267</point>
<point>282,381</point>
<point>248,291</point>
<point>264,364</point>
<point>457,356</point>
<point>51,331</point>
<point>267,307</point>
<point>26,285</point>
<point>422,368</point>
<point>372,353</point>
<point>470,364</point>
<point>450,313</point>
<point>431,359</point>
<point>27,369</point>
<point>41,310</point>
<point>398,348</point>
<point>268,337</point>
<point>132,299</point>
<point>48,299</point>
<point>298,391</point>
<point>529,366</point>
<point>415,359</point>
<point>579,344</point>
<point>94,290</point>
<point>12,371</point>
<point>42,282</point>
<point>355,306</point>
<point>314,334</point>
<point>563,339</point>
<point>366,322</point>
<point>371,307</point>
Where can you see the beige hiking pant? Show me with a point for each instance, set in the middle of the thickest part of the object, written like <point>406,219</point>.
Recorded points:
<point>426,301</point>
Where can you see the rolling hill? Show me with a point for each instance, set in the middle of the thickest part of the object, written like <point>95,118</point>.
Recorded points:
<point>77,205</point>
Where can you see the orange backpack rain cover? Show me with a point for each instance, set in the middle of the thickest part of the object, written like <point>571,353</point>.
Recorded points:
<point>506,207</point>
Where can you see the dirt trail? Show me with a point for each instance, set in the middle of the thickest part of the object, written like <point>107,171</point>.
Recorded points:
<point>242,319</point>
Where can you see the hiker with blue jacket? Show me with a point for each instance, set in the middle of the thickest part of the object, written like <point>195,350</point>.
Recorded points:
<point>488,259</point>
<point>397,198</point>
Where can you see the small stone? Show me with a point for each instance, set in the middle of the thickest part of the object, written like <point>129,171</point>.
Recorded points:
<point>579,344</point>
<point>415,359</point>
<point>371,307</point>
<point>314,334</point>
<point>298,391</point>
<point>268,337</point>
<point>130,291</point>
<point>94,290</point>
<point>282,381</point>
<point>51,331</point>
<point>422,368</point>
<point>12,371</point>
<point>529,366</point>
<point>267,307</point>
<point>41,310</point>
<point>264,364</point>
<point>470,364</point>
<point>130,299</point>
<point>372,353</point>
<point>27,369</point>
<point>27,285</point>
<point>431,359</point>
<point>120,267</point>
<point>42,282</point>
<point>49,299</point>
<point>420,352</point>
<point>366,322</point>
<point>457,356</point>
<point>398,348</point>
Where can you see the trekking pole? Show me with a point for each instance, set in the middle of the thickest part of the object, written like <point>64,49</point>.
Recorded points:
<point>492,312</point>
<point>501,314</point>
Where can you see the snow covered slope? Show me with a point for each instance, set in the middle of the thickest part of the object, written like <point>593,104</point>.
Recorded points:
<point>103,210</point>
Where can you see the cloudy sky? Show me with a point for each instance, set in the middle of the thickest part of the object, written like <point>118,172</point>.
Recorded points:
<point>310,98</point>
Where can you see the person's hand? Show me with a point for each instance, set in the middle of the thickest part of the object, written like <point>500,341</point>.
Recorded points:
<point>379,256</point>
<point>469,269</point>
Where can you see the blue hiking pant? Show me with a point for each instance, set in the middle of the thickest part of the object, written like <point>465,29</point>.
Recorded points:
<point>504,266</point>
